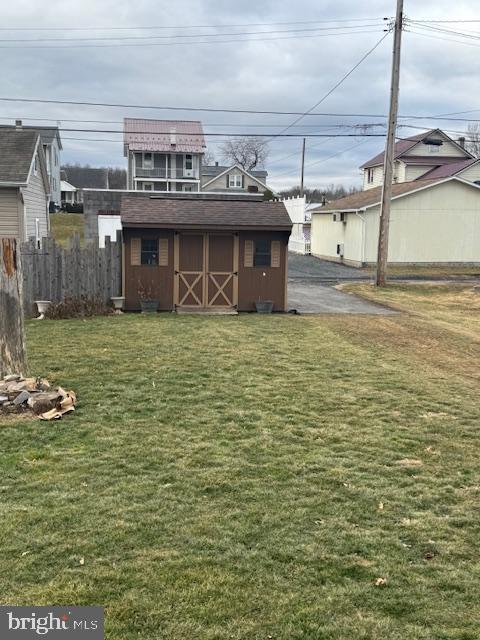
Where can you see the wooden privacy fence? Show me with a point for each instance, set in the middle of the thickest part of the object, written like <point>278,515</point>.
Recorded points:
<point>53,272</point>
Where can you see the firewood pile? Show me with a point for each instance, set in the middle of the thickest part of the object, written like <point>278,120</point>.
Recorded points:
<point>36,396</point>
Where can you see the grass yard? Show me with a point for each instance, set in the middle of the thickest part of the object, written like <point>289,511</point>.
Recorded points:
<point>64,225</point>
<point>433,271</point>
<point>251,477</point>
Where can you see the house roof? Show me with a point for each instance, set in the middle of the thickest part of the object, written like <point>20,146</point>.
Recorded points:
<point>86,177</point>
<point>17,149</point>
<point>451,169</point>
<point>371,197</point>
<point>215,213</point>
<point>226,170</point>
<point>184,136</point>
<point>212,171</point>
<point>47,134</point>
<point>404,145</point>
<point>66,186</point>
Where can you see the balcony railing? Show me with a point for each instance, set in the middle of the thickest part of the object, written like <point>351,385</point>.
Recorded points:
<point>172,173</point>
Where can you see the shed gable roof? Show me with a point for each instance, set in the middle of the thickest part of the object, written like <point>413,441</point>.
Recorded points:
<point>195,213</point>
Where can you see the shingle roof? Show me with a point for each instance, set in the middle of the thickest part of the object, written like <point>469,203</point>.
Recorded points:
<point>447,170</point>
<point>401,147</point>
<point>140,134</point>
<point>215,170</point>
<point>196,213</point>
<point>371,197</point>
<point>86,177</point>
<point>16,153</point>
<point>47,134</point>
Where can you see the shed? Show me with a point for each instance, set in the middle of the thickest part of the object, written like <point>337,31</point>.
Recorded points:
<point>209,253</point>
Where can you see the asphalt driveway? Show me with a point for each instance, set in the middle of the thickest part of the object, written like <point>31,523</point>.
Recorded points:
<point>311,288</point>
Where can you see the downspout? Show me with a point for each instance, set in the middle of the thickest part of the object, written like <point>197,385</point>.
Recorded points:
<point>362,257</point>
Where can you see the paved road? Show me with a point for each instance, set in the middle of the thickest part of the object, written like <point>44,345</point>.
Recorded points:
<point>313,269</point>
<point>321,298</point>
<point>310,288</point>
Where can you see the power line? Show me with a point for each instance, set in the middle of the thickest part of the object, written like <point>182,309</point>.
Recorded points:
<point>311,164</point>
<point>192,26</point>
<point>189,43</point>
<point>85,103</point>
<point>329,126</point>
<point>191,35</point>
<point>341,81</point>
<point>432,37</point>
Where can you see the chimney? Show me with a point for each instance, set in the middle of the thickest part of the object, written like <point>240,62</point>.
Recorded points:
<point>18,124</point>
<point>324,199</point>
<point>216,164</point>
<point>173,136</point>
<point>461,142</point>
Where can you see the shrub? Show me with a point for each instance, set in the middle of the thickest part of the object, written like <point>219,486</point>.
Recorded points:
<point>82,307</point>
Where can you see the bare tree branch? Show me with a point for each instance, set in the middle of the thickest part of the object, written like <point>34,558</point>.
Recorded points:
<point>248,152</point>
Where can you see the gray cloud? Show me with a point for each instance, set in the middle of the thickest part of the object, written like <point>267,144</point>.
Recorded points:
<point>291,74</point>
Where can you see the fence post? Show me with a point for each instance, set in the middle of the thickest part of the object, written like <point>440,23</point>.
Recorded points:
<point>12,339</point>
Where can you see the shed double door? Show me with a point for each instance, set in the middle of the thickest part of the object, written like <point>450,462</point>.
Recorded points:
<point>206,270</point>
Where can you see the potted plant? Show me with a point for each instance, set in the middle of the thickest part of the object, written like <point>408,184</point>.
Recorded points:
<point>148,303</point>
<point>262,305</point>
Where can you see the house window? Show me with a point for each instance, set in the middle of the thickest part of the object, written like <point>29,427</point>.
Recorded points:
<point>433,148</point>
<point>149,251</point>
<point>370,173</point>
<point>147,160</point>
<point>187,187</point>
<point>188,162</point>
<point>235,181</point>
<point>148,186</point>
<point>263,253</point>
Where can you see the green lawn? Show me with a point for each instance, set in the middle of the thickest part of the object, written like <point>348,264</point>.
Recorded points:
<point>248,478</point>
<point>64,225</point>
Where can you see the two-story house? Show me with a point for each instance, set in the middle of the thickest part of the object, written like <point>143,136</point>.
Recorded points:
<point>52,145</point>
<point>163,155</point>
<point>428,155</point>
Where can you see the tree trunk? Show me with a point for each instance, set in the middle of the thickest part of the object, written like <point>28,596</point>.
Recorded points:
<point>12,336</point>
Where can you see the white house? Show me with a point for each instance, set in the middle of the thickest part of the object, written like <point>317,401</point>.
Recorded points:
<point>233,179</point>
<point>428,155</point>
<point>434,221</point>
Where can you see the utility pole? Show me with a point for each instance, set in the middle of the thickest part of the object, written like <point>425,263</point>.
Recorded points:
<point>388,166</point>
<point>303,168</point>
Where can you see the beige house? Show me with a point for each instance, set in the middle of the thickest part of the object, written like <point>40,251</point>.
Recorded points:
<point>24,185</point>
<point>426,156</point>
<point>233,179</point>
<point>434,221</point>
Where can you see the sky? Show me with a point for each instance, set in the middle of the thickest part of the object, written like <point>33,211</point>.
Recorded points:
<point>273,55</point>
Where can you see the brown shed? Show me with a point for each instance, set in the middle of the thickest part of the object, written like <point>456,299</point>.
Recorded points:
<point>208,253</point>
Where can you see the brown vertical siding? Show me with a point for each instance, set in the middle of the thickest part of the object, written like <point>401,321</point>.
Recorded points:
<point>252,284</point>
<point>159,279</point>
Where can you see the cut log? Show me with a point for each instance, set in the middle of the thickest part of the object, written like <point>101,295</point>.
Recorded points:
<point>12,338</point>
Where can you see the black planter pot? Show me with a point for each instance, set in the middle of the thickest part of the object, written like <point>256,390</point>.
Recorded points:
<point>149,306</point>
<point>264,306</point>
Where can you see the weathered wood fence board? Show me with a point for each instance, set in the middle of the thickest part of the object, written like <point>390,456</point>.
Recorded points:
<point>53,272</point>
<point>12,342</point>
